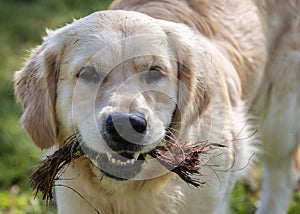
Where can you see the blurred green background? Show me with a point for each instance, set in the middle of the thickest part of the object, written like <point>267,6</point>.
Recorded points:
<point>22,25</point>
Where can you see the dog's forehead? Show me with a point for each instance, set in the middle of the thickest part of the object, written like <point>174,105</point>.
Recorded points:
<point>111,26</point>
<point>112,37</point>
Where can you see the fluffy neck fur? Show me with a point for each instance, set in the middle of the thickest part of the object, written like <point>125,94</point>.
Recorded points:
<point>158,195</point>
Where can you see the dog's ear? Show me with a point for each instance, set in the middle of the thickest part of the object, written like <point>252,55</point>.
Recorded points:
<point>35,90</point>
<point>193,82</point>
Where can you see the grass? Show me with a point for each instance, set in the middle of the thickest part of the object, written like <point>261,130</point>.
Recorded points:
<point>22,23</point>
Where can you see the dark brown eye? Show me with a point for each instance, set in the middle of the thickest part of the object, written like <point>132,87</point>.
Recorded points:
<point>88,74</point>
<point>155,73</point>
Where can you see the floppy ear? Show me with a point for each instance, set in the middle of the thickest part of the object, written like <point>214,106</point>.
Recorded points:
<point>35,87</point>
<point>193,83</point>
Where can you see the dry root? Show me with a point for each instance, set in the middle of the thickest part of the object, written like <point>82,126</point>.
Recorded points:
<point>184,160</point>
<point>42,179</point>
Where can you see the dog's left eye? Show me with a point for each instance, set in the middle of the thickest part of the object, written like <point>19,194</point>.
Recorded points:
<point>155,73</point>
<point>89,74</point>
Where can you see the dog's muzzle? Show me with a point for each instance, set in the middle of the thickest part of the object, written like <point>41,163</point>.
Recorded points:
<point>124,134</point>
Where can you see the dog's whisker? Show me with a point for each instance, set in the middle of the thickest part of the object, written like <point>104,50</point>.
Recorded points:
<point>171,139</point>
<point>171,133</point>
<point>173,130</point>
<point>175,123</point>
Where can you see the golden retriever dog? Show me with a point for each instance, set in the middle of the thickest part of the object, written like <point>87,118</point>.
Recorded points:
<point>146,73</point>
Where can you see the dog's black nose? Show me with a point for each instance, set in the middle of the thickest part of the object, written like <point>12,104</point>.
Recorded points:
<point>125,131</point>
<point>138,122</point>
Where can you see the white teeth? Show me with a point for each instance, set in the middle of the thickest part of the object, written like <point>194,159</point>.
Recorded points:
<point>109,155</point>
<point>117,162</point>
<point>136,155</point>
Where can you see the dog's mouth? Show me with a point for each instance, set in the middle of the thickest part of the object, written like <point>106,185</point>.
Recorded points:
<point>120,165</point>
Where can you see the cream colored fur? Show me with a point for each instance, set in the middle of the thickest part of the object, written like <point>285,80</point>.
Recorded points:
<point>223,63</point>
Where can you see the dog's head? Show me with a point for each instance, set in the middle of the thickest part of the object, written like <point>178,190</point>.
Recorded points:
<point>123,81</point>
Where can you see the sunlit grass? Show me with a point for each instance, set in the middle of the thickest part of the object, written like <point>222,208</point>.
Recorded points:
<point>16,202</point>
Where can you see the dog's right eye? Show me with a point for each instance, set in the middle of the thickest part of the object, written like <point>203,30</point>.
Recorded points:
<point>88,74</point>
<point>155,73</point>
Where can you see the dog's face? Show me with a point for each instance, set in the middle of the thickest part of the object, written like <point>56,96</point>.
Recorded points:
<point>121,90</point>
<point>119,80</point>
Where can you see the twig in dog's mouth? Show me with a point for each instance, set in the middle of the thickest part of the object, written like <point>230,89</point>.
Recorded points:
<point>42,179</point>
<point>184,160</point>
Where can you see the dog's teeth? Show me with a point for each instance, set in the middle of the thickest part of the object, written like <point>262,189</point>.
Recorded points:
<point>136,155</point>
<point>118,162</point>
